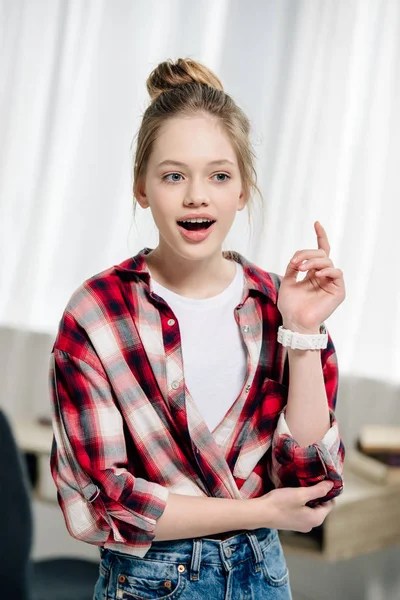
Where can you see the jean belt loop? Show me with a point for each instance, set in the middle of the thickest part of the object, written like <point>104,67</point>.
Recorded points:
<point>196,560</point>
<point>255,546</point>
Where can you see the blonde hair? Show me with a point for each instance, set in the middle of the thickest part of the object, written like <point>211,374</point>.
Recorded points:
<point>187,88</point>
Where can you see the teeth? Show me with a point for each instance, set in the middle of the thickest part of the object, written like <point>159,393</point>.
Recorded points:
<point>196,221</point>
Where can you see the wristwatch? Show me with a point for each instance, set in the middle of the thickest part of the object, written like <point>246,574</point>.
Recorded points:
<point>302,341</point>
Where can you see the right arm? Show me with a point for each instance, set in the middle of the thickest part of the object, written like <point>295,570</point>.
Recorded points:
<point>284,508</point>
<point>92,449</point>
<point>82,398</point>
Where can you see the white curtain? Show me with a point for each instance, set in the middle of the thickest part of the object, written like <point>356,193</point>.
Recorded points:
<point>319,80</point>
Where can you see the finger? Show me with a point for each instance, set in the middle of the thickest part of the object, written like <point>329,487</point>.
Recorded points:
<point>316,263</point>
<point>322,237</point>
<point>301,255</point>
<point>327,503</point>
<point>316,491</point>
<point>322,511</point>
<point>321,506</point>
<point>330,272</point>
<point>292,271</point>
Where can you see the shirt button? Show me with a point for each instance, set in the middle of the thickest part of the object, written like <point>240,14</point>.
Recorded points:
<point>246,328</point>
<point>175,385</point>
<point>171,321</point>
<point>228,552</point>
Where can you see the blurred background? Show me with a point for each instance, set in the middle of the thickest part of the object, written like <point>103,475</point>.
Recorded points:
<point>319,81</point>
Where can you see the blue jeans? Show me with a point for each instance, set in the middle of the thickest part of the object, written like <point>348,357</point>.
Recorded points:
<point>250,565</point>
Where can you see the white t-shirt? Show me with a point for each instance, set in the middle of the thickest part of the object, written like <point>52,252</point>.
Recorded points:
<point>214,355</point>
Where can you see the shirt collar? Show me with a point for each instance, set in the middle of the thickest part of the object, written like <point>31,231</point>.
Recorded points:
<point>255,278</point>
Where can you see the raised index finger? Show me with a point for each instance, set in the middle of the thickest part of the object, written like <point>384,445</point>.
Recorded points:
<point>322,238</point>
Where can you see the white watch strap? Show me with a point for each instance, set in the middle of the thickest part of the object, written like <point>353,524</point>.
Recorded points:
<point>302,341</point>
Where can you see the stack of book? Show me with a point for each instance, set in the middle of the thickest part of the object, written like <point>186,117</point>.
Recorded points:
<point>377,454</point>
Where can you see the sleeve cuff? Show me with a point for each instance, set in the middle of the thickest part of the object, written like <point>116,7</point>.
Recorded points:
<point>143,508</point>
<point>329,438</point>
<point>294,465</point>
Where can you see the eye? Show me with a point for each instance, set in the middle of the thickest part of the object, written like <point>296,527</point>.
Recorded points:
<point>165,178</point>
<point>170,175</point>
<point>223,175</point>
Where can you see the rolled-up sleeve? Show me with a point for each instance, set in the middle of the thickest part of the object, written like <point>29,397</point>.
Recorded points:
<point>102,501</point>
<point>292,465</point>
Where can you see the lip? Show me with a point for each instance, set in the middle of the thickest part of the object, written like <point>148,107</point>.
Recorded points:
<point>195,236</point>
<point>197,216</point>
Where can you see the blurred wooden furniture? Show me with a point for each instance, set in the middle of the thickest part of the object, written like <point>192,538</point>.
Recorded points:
<point>366,518</point>
<point>34,441</point>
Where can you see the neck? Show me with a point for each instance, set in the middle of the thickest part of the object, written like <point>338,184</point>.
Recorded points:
<point>192,278</point>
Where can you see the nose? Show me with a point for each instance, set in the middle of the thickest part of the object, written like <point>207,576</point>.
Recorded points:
<point>196,195</point>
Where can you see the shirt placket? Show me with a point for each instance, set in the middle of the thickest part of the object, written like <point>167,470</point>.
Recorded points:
<point>209,457</point>
<point>210,449</point>
<point>248,317</point>
<point>159,332</point>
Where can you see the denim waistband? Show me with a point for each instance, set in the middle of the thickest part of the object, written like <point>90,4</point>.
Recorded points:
<point>196,551</point>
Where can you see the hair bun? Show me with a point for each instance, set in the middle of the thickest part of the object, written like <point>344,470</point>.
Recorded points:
<point>168,75</point>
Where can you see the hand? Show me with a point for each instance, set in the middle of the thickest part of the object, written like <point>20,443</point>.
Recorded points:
<point>305,304</point>
<point>285,508</point>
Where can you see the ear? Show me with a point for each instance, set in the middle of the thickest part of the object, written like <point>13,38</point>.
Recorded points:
<point>141,197</point>
<point>242,201</point>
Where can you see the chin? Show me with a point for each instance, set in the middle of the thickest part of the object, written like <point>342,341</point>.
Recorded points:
<point>195,251</point>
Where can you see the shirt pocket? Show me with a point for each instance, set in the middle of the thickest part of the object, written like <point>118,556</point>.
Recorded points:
<point>272,399</point>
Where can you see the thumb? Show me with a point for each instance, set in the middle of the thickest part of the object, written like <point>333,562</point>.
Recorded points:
<point>317,491</point>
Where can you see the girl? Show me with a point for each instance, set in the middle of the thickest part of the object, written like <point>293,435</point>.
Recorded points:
<point>193,393</point>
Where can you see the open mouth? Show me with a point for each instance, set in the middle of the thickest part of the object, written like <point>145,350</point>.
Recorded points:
<point>195,226</point>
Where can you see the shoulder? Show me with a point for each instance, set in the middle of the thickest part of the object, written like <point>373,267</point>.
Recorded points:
<point>267,282</point>
<point>94,304</point>
<point>96,290</point>
<point>269,277</point>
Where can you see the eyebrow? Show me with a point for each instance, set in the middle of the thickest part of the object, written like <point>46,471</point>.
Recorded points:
<point>182,164</point>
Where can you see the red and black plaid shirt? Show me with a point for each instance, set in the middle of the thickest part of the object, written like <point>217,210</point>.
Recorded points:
<point>127,431</point>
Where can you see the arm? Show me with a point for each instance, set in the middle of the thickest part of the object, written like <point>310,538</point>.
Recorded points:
<point>126,503</point>
<point>306,445</point>
<point>310,409</point>
<point>191,516</point>
<point>307,412</point>
<point>93,449</point>
<point>187,516</point>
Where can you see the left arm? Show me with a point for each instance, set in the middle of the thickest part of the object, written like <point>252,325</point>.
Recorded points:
<point>306,446</point>
<point>307,412</point>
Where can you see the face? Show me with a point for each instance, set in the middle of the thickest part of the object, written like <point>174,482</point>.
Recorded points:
<point>198,185</point>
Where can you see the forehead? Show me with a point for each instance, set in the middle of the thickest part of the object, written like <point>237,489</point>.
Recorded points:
<point>194,139</point>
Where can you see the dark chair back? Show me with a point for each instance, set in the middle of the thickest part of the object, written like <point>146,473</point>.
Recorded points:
<point>16,524</point>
